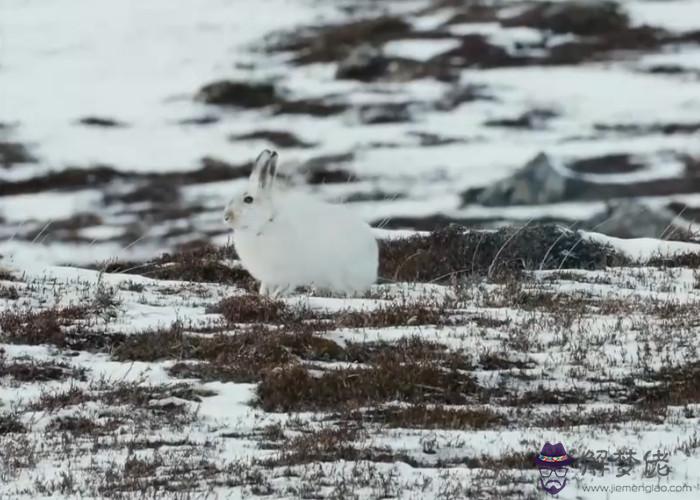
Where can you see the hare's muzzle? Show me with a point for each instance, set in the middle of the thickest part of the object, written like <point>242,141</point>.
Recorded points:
<point>228,216</point>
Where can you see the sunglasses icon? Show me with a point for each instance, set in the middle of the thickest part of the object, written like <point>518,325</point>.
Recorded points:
<point>561,472</point>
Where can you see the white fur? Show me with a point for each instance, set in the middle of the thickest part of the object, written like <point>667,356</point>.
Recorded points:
<point>289,239</point>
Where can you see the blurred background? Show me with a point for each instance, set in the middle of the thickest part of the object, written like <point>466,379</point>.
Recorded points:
<point>126,126</point>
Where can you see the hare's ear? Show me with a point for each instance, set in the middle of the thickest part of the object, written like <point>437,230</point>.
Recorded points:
<point>264,170</point>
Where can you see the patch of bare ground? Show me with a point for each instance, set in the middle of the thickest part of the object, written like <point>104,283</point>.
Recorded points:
<point>122,405</point>
<point>65,327</point>
<point>6,275</point>
<point>330,43</point>
<point>325,445</point>
<point>690,260</point>
<point>423,416</point>
<point>390,377</point>
<point>606,417</point>
<point>198,263</point>
<point>10,423</point>
<point>672,385</point>
<point>9,293</point>
<point>454,252</point>
<point>26,369</point>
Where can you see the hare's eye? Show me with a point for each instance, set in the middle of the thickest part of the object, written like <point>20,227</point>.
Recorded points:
<point>248,199</point>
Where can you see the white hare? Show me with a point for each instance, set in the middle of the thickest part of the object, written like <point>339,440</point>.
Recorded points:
<point>287,239</point>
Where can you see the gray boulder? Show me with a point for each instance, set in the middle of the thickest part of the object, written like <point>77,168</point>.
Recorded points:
<point>538,182</point>
<point>633,219</point>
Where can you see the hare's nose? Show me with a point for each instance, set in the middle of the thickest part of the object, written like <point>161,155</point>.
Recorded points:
<point>228,216</point>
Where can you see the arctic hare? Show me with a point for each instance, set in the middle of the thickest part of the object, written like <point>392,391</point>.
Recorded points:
<point>287,239</point>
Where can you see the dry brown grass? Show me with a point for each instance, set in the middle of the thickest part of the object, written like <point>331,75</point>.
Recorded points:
<point>454,252</point>
<point>432,417</point>
<point>43,327</point>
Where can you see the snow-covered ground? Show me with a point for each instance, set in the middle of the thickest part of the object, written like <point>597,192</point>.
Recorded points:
<point>142,391</point>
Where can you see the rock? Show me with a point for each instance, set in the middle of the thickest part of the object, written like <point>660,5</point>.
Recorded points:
<point>98,121</point>
<point>539,182</point>
<point>241,94</point>
<point>394,112</point>
<point>536,183</point>
<point>590,17</point>
<point>632,219</point>
<point>14,152</point>
<point>279,138</point>
<point>365,63</point>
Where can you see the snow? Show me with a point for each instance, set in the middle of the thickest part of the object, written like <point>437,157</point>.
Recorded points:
<point>674,15</point>
<point>116,62</point>
<point>642,249</point>
<point>420,50</point>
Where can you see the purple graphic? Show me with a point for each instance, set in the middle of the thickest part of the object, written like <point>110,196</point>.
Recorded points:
<point>552,463</point>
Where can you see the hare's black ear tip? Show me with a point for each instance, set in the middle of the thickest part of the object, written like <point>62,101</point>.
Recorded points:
<point>273,154</point>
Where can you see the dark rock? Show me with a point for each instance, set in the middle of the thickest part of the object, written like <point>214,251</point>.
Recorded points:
<point>365,63</point>
<point>279,138</point>
<point>241,94</point>
<point>98,121</point>
<point>532,120</point>
<point>590,17</point>
<point>536,183</point>
<point>607,164</point>
<point>394,112</point>
<point>632,219</point>
<point>539,182</point>
<point>14,152</point>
